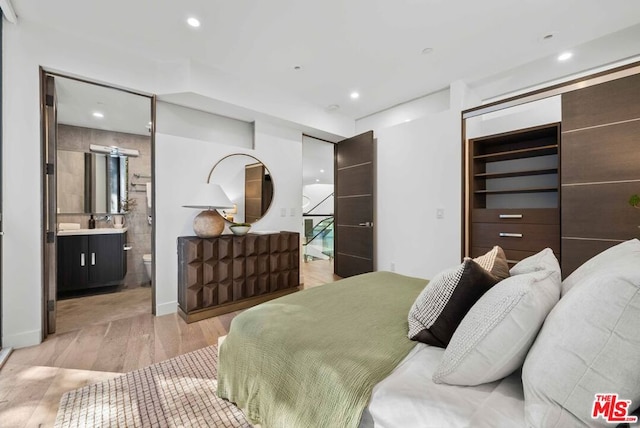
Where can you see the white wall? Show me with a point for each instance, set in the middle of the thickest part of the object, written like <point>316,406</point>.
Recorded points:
<point>316,194</point>
<point>419,172</point>
<point>405,112</point>
<point>182,162</point>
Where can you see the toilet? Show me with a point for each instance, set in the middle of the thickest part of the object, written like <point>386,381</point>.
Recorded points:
<point>146,258</point>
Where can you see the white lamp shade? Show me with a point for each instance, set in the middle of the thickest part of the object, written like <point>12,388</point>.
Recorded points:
<point>209,196</point>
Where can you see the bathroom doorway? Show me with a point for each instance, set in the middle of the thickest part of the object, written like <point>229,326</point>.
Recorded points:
<point>98,208</point>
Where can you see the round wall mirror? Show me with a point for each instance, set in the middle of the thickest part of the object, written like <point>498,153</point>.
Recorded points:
<point>248,184</point>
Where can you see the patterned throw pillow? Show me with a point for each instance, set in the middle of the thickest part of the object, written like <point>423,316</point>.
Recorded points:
<point>495,262</point>
<point>445,301</point>
<point>493,339</point>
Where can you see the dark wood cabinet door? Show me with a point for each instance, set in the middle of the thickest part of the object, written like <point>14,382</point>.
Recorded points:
<point>105,259</point>
<point>73,262</point>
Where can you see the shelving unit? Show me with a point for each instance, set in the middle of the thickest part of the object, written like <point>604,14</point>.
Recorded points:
<point>513,182</point>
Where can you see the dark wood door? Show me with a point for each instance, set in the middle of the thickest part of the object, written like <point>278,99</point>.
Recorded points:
<point>354,184</point>
<point>73,262</point>
<point>106,265</point>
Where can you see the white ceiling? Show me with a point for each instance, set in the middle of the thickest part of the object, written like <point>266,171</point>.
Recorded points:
<point>122,111</point>
<point>372,46</point>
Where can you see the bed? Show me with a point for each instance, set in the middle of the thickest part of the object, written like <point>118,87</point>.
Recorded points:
<point>282,371</point>
<point>339,356</point>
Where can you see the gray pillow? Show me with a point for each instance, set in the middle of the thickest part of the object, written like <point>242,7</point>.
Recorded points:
<point>544,260</point>
<point>589,344</point>
<point>609,260</point>
<point>493,339</point>
<point>438,310</point>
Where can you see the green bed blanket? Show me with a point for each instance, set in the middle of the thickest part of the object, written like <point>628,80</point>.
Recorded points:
<point>312,358</point>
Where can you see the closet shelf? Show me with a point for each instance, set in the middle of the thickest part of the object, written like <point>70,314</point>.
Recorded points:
<point>519,153</point>
<point>512,191</point>
<point>490,175</point>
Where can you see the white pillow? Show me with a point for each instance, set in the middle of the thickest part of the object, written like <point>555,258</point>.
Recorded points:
<point>589,344</point>
<point>544,260</point>
<point>610,260</point>
<point>493,339</point>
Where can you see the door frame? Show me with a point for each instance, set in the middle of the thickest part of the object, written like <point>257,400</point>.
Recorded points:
<point>1,160</point>
<point>43,73</point>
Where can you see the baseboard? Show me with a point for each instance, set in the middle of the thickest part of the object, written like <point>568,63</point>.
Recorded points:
<point>166,308</point>
<point>4,355</point>
<point>22,340</point>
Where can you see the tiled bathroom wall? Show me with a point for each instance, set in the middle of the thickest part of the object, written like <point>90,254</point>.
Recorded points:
<point>77,139</point>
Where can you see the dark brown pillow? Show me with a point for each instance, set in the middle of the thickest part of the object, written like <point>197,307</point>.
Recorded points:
<point>495,262</point>
<point>445,301</point>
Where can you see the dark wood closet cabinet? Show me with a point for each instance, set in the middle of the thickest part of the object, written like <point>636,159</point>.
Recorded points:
<point>600,168</point>
<point>513,192</point>
<point>562,185</point>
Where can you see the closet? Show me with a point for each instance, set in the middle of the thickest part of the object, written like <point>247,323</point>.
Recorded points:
<point>555,172</point>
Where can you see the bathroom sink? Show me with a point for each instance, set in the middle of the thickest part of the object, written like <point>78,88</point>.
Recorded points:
<point>99,231</point>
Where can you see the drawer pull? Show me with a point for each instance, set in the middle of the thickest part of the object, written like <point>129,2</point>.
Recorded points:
<point>510,235</point>
<point>510,216</point>
<point>81,259</point>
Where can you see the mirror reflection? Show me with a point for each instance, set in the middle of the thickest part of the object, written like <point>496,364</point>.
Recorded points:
<point>91,183</point>
<point>248,183</point>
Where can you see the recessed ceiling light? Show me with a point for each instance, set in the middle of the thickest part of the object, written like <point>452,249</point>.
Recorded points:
<point>194,22</point>
<point>297,67</point>
<point>407,120</point>
<point>427,51</point>
<point>548,37</point>
<point>354,95</point>
<point>317,180</point>
<point>564,56</point>
<point>322,170</point>
<point>98,114</point>
<point>332,107</point>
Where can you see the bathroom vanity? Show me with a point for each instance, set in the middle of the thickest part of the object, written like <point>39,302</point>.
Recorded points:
<point>91,258</point>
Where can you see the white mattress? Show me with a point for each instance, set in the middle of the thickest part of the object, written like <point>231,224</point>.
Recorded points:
<point>409,398</point>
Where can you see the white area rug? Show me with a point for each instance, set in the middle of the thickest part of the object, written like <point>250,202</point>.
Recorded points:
<point>180,392</point>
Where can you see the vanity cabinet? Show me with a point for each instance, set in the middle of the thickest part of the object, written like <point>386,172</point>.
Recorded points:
<point>228,273</point>
<point>90,261</point>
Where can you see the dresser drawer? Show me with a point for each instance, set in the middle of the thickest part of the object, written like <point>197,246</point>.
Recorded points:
<point>521,237</point>
<point>516,216</point>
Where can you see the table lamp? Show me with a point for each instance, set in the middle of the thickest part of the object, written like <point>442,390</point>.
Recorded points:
<point>209,197</point>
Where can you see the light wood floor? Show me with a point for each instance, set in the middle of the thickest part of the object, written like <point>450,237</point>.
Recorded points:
<point>33,379</point>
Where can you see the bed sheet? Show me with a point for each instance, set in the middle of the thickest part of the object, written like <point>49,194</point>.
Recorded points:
<point>409,398</point>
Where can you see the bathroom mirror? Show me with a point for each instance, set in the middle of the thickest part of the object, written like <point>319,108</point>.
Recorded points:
<point>248,184</point>
<point>91,183</point>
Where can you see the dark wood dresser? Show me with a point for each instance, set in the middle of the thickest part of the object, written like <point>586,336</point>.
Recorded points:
<point>513,195</point>
<point>228,273</point>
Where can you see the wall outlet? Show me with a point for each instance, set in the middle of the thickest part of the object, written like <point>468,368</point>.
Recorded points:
<point>440,213</point>
<point>392,266</point>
